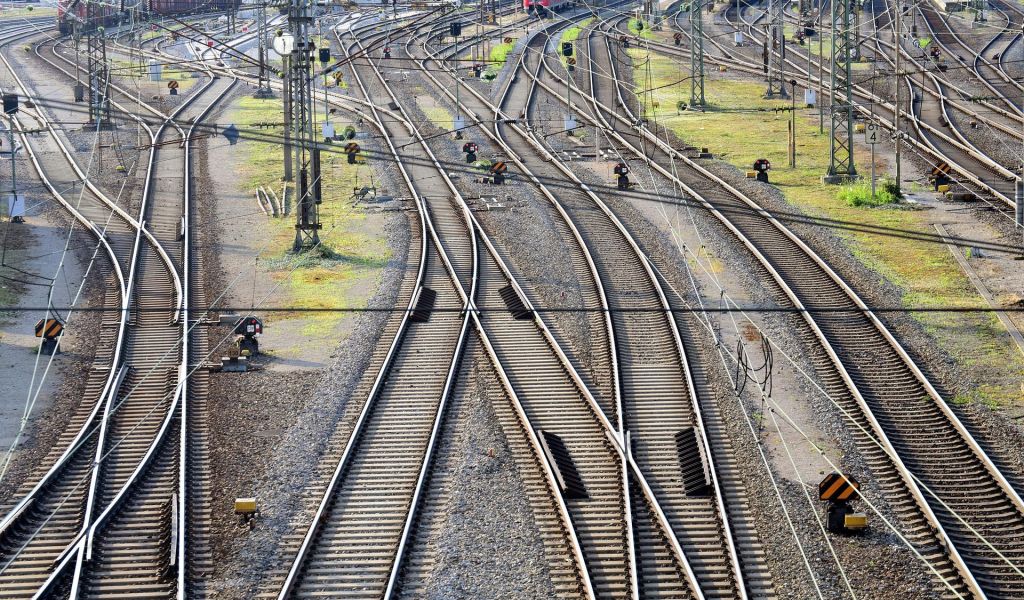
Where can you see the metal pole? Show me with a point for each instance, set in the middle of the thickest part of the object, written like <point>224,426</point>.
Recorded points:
<point>288,175</point>
<point>775,42</point>
<point>1019,198</point>
<point>306,148</point>
<point>263,86</point>
<point>872,173</point>
<point>841,166</point>
<point>327,110</point>
<point>899,96</point>
<point>458,104</point>
<point>821,73</point>
<point>697,55</point>
<point>14,170</point>
<point>792,126</point>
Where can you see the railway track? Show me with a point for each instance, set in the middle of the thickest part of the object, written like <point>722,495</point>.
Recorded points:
<point>114,528</point>
<point>339,523</point>
<point>702,537</point>
<point>888,400</point>
<point>928,138</point>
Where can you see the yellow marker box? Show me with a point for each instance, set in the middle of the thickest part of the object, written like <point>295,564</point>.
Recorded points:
<point>855,521</point>
<point>245,506</point>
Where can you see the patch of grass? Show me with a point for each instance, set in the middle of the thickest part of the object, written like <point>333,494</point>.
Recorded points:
<point>573,33</point>
<point>741,126</point>
<point>437,115</point>
<point>500,52</point>
<point>22,12</point>
<point>644,32</point>
<point>133,70</point>
<point>859,194</point>
<point>340,272</point>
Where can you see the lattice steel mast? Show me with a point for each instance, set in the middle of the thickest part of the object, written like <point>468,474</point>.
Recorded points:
<point>96,57</point>
<point>840,166</point>
<point>696,18</point>
<point>304,142</point>
<point>263,81</point>
<point>775,51</point>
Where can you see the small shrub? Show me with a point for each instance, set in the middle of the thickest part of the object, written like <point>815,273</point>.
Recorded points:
<point>859,194</point>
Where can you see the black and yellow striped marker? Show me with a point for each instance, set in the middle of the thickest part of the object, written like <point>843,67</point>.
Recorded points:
<point>837,487</point>
<point>49,328</point>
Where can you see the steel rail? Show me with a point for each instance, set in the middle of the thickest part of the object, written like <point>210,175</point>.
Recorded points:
<point>677,337</point>
<point>84,547</point>
<point>473,224</point>
<point>468,297</point>
<point>925,143</point>
<point>108,389</point>
<point>930,17</point>
<point>925,147</point>
<point>901,353</point>
<point>18,510</point>
<point>740,587</point>
<point>186,351</point>
<point>291,579</point>
<point>761,258</point>
<point>500,116</point>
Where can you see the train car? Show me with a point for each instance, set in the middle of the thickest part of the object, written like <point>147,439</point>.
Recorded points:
<point>542,7</point>
<point>110,12</point>
<point>183,7</point>
<point>71,11</point>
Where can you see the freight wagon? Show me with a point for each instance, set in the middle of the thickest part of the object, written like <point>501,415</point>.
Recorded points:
<point>111,12</point>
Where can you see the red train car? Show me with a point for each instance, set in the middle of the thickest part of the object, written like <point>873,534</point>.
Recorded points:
<point>70,11</point>
<point>540,7</point>
<point>179,7</point>
<point>109,12</point>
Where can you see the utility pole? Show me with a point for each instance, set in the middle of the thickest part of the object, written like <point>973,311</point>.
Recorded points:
<point>696,54</point>
<point>10,103</point>
<point>263,80</point>
<point>821,70</point>
<point>98,73</point>
<point>775,51</point>
<point>840,167</point>
<point>287,100</point>
<point>792,126</point>
<point>455,30</point>
<point>305,147</point>
<point>855,18</point>
<point>899,96</point>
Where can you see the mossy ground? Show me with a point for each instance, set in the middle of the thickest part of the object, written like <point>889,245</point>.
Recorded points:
<point>133,70</point>
<point>22,12</point>
<point>740,126</point>
<point>499,52</point>
<point>340,273</point>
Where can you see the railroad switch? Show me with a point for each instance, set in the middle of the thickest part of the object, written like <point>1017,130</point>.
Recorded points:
<point>839,491</point>
<point>247,510</point>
